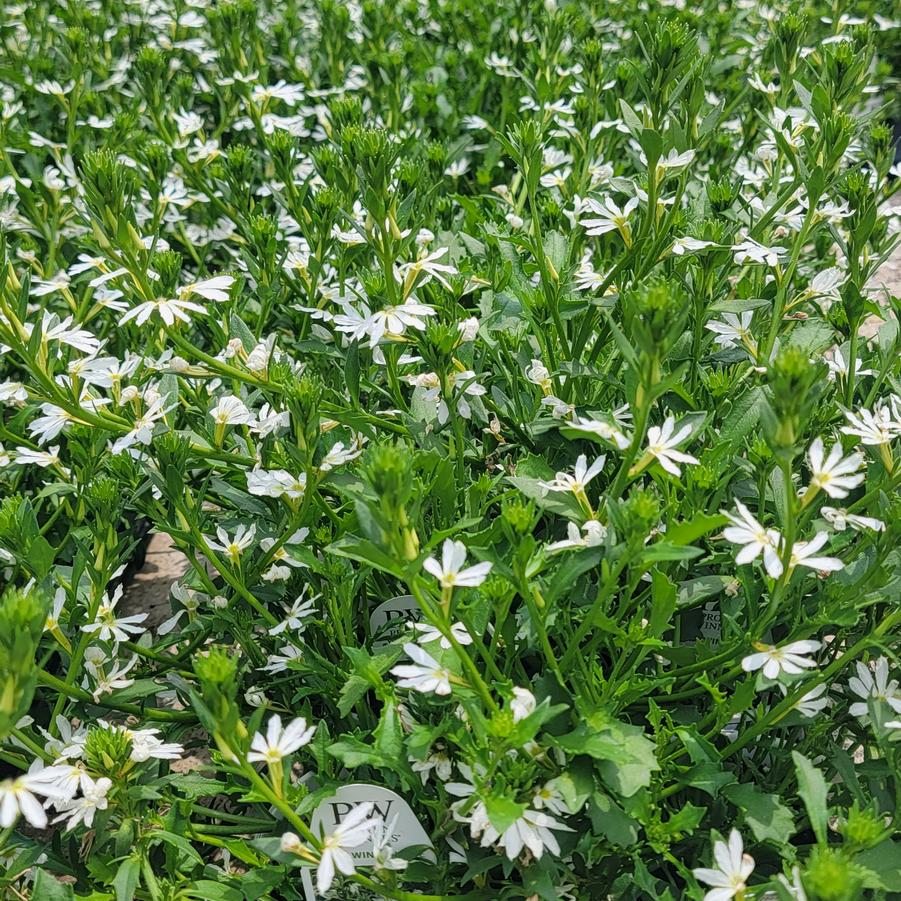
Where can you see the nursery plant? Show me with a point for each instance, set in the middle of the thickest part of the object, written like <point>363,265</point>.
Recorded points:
<point>511,380</point>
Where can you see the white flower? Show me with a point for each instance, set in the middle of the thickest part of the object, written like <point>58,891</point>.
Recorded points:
<point>269,421</point>
<point>840,519</point>
<point>13,393</point>
<point>733,328</point>
<point>582,475</point>
<point>355,829</point>
<point>108,627</point>
<point>430,268</point>
<point>834,475</point>
<point>733,869</point>
<point>747,531</point>
<point>609,216</point>
<point>215,288</point>
<point>549,797</point>
<point>449,571</point>
<point>59,602</point>
<point>873,682</point>
<point>426,675</point>
<point>233,547</point>
<point>382,851</point>
<point>67,777</point>
<point>689,245</point>
<point>25,456</point>
<point>437,761</point>
<point>749,251</point>
<point>532,830</point>
<point>674,159</point>
<point>592,534</point>
<point>168,309</point>
<point>82,810</point>
<point>429,633</point>
<point>339,454</point>
<point>602,429</point>
<point>279,663</point>
<point>278,743</point>
<point>276,483</point>
<point>803,555</point>
<point>522,703</point>
<point>538,374</point>
<point>142,428</point>
<point>47,427</point>
<point>295,615</point>
<point>231,410</point>
<point>663,441</point>
<point>788,659</point>
<point>64,331</point>
<point>392,321</point>
<point>874,429</point>
<point>839,366</point>
<point>107,682</point>
<point>18,796</point>
<point>811,703</point>
<point>145,745</point>
<point>70,743</point>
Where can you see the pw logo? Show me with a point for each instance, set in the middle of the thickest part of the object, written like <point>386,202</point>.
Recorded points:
<point>340,809</point>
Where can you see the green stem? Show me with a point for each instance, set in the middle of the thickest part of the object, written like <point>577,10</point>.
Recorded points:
<point>149,713</point>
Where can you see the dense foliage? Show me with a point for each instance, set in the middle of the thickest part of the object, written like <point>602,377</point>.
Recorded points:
<point>548,324</point>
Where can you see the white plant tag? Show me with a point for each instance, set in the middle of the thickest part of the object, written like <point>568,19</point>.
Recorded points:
<point>390,806</point>
<point>712,624</point>
<point>387,621</point>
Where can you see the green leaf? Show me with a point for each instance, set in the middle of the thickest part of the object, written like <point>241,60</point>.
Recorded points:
<point>611,821</point>
<point>47,888</point>
<point>690,530</point>
<point>768,817</point>
<point>663,604</point>
<point>557,250</point>
<point>41,555</point>
<point>352,372</point>
<point>742,418</point>
<point>352,691</point>
<point>388,735</point>
<point>127,878</point>
<point>812,336</point>
<point>693,591</point>
<point>575,784</point>
<point>365,552</point>
<point>633,123</point>
<point>707,774</point>
<point>573,566</point>
<point>240,330</point>
<point>813,790</point>
<point>179,842</point>
<point>207,890</point>
<point>666,550</point>
<point>503,812</point>
<point>881,863</point>
<point>626,756</point>
<point>740,305</point>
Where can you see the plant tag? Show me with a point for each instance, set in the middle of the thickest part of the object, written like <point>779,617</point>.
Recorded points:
<point>711,625</point>
<point>406,830</point>
<point>387,621</point>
